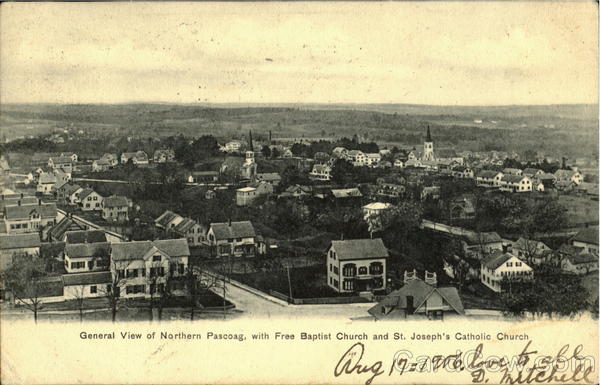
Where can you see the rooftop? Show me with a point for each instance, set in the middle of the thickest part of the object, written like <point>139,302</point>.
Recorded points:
<point>360,249</point>
<point>127,251</point>
<point>19,241</point>
<point>85,236</point>
<point>224,230</point>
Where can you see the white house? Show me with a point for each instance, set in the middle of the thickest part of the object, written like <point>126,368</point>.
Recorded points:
<point>516,183</point>
<point>143,267</point>
<point>356,157</point>
<point>569,175</point>
<point>356,265</point>
<point>85,257</point>
<point>234,238</point>
<point>489,178</point>
<point>86,285</point>
<point>321,172</point>
<point>89,200</point>
<point>372,159</point>
<point>531,250</point>
<point>501,266</point>
<point>587,239</point>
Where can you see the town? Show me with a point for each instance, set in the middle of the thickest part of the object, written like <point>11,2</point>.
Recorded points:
<point>107,227</point>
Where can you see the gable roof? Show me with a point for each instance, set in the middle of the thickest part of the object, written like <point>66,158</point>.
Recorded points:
<point>588,235</point>
<point>569,249</point>
<point>488,174</point>
<point>115,201</point>
<point>420,292</point>
<point>165,218</point>
<point>360,249</point>
<point>85,236</point>
<point>83,250</point>
<point>19,241</point>
<point>46,210</point>
<point>477,238</point>
<point>268,176</point>
<point>185,225</point>
<point>91,278</point>
<point>66,224</point>
<point>510,178</point>
<point>86,192</point>
<point>346,193</point>
<point>70,189</point>
<point>565,173</point>
<point>224,230</point>
<point>128,251</point>
<point>531,171</point>
<point>496,260</point>
<point>524,244</point>
<point>578,259</point>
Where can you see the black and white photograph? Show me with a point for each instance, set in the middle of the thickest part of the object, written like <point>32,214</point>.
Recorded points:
<point>372,165</point>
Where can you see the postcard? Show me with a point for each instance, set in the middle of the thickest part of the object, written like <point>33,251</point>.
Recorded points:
<point>299,192</point>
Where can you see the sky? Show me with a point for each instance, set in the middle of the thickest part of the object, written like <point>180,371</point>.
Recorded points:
<point>440,53</point>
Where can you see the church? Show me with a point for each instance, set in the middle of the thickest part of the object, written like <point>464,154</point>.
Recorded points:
<point>430,159</point>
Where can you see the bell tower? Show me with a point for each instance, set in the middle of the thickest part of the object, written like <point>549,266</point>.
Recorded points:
<point>428,147</point>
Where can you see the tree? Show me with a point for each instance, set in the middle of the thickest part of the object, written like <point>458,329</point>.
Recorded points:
<point>342,172</point>
<point>79,297</point>
<point>112,291</point>
<point>26,279</point>
<point>275,153</point>
<point>266,151</point>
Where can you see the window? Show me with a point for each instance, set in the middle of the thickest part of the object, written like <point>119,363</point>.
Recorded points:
<point>156,258</point>
<point>330,267</point>
<point>77,265</point>
<point>348,284</point>
<point>93,289</point>
<point>376,268</point>
<point>518,264</point>
<point>508,264</point>
<point>362,270</point>
<point>349,270</point>
<point>132,273</point>
<point>336,270</point>
<point>181,268</point>
<point>90,265</point>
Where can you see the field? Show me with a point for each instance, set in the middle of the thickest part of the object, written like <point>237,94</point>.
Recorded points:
<point>566,129</point>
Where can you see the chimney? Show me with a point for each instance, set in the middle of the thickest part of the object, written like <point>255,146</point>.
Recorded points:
<point>39,202</point>
<point>229,222</point>
<point>410,306</point>
<point>21,195</point>
<point>19,202</point>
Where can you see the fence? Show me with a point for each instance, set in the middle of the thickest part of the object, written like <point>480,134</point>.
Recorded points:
<point>319,301</point>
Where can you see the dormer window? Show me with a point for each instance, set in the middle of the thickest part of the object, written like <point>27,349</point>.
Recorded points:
<point>156,258</point>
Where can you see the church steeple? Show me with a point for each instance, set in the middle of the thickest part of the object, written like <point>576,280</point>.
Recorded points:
<point>428,147</point>
<point>429,134</point>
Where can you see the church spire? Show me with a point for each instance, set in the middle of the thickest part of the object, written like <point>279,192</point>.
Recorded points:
<point>429,134</point>
<point>251,145</point>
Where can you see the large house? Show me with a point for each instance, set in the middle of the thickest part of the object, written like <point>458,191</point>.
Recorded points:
<point>478,245</point>
<point>356,157</point>
<point>191,230</point>
<point>68,194</point>
<point>372,159</point>
<point>139,158</point>
<point>86,256</point>
<point>321,172</point>
<point>115,208</point>
<point>418,299</point>
<point>501,267</point>
<point>22,217</point>
<point>580,263</point>
<point>14,245</point>
<point>246,195</point>
<point>106,162</point>
<point>48,183</point>
<point>515,183</point>
<point>141,268</point>
<point>202,176</point>
<point>272,178</point>
<point>489,178</point>
<point>531,250</point>
<point>168,220</point>
<point>356,265</point>
<point>58,162</point>
<point>234,239</point>
<point>89,200</point>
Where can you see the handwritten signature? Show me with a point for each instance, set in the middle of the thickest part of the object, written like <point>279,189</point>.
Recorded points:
<point>526,367</point>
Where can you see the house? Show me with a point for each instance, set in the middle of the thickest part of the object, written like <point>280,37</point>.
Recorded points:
<point>417,300</point>
<point>346,193</point>
<point>398,163</point>
<point>15,245</point>
<point>356,265</point>
<point>356,157</point>
<point>531,250</point>
<point>85,236</point>
<point>376,208</point>
<point>100,165</point>
<point>139,158</point>
<point>580,263</point>
<point>59,162</point>
<point>68,194</point>
<point>516,183</point>
<point>88,256</point>
<point>192,231</point>
<point>164,156</point>
<point>233,146</point>
<point>501,267</point>
<point>372,159</point>
<point>461,208</point>
<point>245,195</point>
<point>587,239</point>
<point>512,171</point>
<point>479,245</point>
<point>568,176</point>
<point>296,191</point>
<point>28,217</point>
<point>203,176</point>
<point>321,172</point>
<point>489,178</point>
<point>234,239</point>
<point>168,220</point>
<point>463,172</point>
<point>532,172</point>
<point>72,155</point>
<point>390,190</point>
<point>115,208</point>
<point>142,268</point>
<point>46,183</point>
<point>67,223</point>
<point>86,285</point>
<point>89,200</point>
<point>270,177</point>
<point>548,180</point>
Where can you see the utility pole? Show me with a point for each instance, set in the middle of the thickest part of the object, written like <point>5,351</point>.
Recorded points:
<point>289,282</point>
